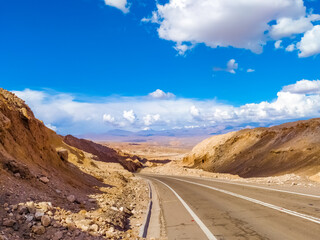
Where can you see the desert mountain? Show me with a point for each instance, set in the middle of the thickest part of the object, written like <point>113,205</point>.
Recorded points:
<point>51,190</point>
<point>287,148</point>
<point>29,150</point>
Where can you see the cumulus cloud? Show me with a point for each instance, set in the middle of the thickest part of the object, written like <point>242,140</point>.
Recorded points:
<point>182,48</point>
<point>120,4</point>
<point>232,65</point>
<point>194,111</point>
<point>303,87</point>
<point>223,22</point>
<point>287,27</point>
<point>291,48</point>
<point>310,43</point>
<point>150,119</point>
<point>277,44</point>
<point>108,118</point>
<point>70,115</point>
<point>129,115</point>
<point>250,70</point>
<point>159,94</point>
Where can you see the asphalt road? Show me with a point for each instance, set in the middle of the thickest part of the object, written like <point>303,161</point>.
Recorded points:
<point>195,208</point>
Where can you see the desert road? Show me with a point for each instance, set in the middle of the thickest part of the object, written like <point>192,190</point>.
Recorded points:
<point>195,208</point>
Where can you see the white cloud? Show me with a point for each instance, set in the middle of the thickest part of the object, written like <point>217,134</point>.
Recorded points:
<point>291,48</point>
<point>194,111</point>
<point>120,4</point>
<point>182,48</point>
<point>69,115</point>
<point>31,95</point>
<point>129,115</point>
<point>150,119</point>
<point>310,43</point>
<point>108,118</point>
<point>159,94</point>
<point>277,44</point>
<point>287,27</point>
<point>303,87</point>
<point>240,24</point>
<point>232,65</point>
<point>54,128</point>
<point>250,70</point>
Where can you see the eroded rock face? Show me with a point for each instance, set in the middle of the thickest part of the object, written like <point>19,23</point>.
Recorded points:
<point>23,138</point>
<point>5,122</point>
<point>287,148</point>
<point>63,153</point>
<point>102,153</point>
<point>28,148</point>
<point>16,167</point>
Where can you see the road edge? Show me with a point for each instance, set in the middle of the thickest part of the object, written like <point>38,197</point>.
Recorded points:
<point>144,228</point>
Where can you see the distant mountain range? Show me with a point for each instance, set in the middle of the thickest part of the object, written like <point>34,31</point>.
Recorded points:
<point>146,135</point>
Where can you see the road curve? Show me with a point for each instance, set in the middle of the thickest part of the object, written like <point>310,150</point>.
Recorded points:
<point>196,208</point>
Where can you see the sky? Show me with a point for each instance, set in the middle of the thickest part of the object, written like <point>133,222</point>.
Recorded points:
<point>90,66</point>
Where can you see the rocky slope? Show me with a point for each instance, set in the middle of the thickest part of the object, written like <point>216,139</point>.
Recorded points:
<point>103,153</point>
<point>50,190</point>
<point>287,148</point>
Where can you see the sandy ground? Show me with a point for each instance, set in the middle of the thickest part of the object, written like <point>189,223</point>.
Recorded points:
<point>166,159</point>
<point>174,150</point>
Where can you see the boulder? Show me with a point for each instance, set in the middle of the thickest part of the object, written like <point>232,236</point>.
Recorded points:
<point>44,179</point>
<point>45,220</point>
<point>38,230</point>
<point>9,222</point>
<point>71,198</point>
<point>38,215</point>
<point>22,209</point>
<point>94,228</point>
<point>29,217</point>
<point>63,154</point>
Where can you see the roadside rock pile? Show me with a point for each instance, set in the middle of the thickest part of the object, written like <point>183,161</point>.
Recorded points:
<point>118,214</point>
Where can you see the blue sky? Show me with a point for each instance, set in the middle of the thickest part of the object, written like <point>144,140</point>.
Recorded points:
<point>112,54</point>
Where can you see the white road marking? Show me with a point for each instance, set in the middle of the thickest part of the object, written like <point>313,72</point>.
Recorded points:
<point>203,227</point>
<point>265,188</point>
<point>301,215</point>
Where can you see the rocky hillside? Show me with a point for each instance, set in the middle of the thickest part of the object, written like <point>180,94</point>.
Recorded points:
<point>287,148</point>
<point>103,153</point>
<point>50,190</point>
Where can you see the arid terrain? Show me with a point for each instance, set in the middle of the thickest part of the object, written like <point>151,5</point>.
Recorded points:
<point>62,187</point>
<point>262,152</point>
<point>51,190</point>
<point>151,150</point>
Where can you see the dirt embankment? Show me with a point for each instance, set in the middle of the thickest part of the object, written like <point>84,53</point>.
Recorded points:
<point>262,152</point>
<point>103,153</point>
<point>50,190</point>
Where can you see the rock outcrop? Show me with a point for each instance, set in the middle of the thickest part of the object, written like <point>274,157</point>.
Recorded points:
<point>28,147</point>
<point>103,153</point>
<point>260,152</point>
